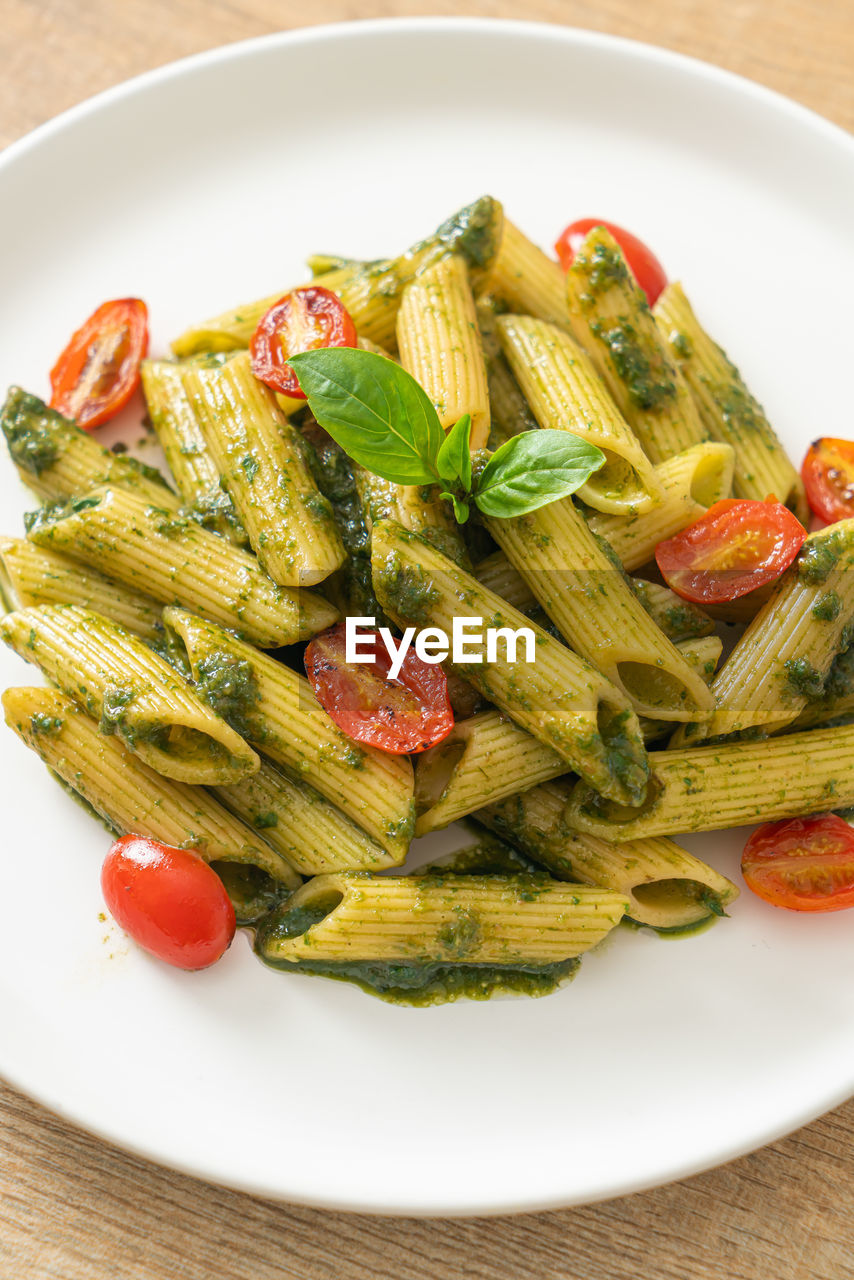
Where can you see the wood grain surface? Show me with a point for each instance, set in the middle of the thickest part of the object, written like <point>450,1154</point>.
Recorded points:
<point>72,1207</point>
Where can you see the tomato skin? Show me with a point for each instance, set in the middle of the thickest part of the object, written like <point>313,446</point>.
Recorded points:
<point>303,320</point>
<point>98,371</point>
<point>802,864</point>
<point>168,900</point>
<point>646,268</point>
<point>737,546</point>
<point>828,476</point>
<point>403,716</point>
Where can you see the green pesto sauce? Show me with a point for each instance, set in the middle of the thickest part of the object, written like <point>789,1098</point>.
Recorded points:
<point>333,474</point>
<point>646,387</point>
<point>251,466</point>
<point>827,607</point>
<point>409,590</point>
<point>253,892</point>
<point>681,344</point>
<point>44,517</point>
<point>802,679</point>
<point>473,231</point>
<point>602,268</point>
<point>42,724</point>
<point>214,511</point>
<point>840,679</point>
<point>30,428</point>
<point>230,686</point>
<point>818,558</point>
<point>625,760</point>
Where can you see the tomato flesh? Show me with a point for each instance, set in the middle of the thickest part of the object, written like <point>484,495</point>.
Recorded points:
<point>408,714</point>
<point>737,546</point>
<point>645,267</point>
<point>98,371</point>
<point>802,864</point>
<point>168,900</point>
<point>304,320</point>
<point>828,476</point>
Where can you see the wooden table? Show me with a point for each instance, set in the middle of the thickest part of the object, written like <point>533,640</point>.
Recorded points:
<point>72,1207</point>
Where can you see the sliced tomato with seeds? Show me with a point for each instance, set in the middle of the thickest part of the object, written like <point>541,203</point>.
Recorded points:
<point>737,546</point>
<point>304,320</point>
<point>98,371</point>
<point>828,476</point>
<point>408,714</point>
<point>802,864</point>
<point>645,267</point>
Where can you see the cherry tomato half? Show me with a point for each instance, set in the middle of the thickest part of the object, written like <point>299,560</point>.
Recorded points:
<point>803,864</point>
<point>408,714</point>
<point>828,476</point>
<point>168,900</point>
<point>646,268</point>
<point>303,320</point>
<point>737,546</point>
<point>98,371</point>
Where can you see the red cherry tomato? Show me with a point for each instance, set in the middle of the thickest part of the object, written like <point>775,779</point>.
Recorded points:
<point>646,268</point>
<point>168,900</point>
<point>98,371</point>
<point>804,864</point>
<point>404,715</point>
<point>828,475</point>
<point>303,320</point>
<point>736,546</point>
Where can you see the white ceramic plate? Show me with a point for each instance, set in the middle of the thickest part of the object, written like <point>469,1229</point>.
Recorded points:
<point>205,184</point>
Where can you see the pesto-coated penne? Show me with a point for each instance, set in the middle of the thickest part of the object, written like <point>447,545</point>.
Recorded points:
<point>509,411</point>
<point>308,831</point>
<point>689,484</point>
<point>784,657</point>
<point>596,611</point>
<point>709,788</point>
<point>566,394</point>
<point>58,460</point>
<point>187,455</point>
<point>276,709</point>
<point>726,408</point>
<point>528,280</point>
<point>483,759</point>
<point>417,507</point>
<point>260,460</point>
<point>467,919</point>
<point>610,317</point>
<point>175,561</point>
<point>370,291</point>
<point>667,887</point>
<point>559,698</point>
<point>439,344</point>
<point>131,691</point>
<point>35,575</point>
<point>129,795</point>
<point>677,618</point>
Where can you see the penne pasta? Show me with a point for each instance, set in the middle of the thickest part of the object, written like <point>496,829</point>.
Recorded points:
<point>275,709</point>
<point>131,691</point>
<point>171,559</point>
<point>566,394</point>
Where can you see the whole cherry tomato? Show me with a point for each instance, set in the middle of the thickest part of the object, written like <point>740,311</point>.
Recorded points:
<point>804,864</point>
<point>646,268</point>
<point>303,320</point>
<point>736,546</point>
<point>404,715</point>
<point>98,371</point>
<point>828,475</point>
<point>168,900</point>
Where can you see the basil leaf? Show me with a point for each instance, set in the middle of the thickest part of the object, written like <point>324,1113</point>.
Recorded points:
<point>534,468</point>
<point>453,461</point>
<point>374,410</point>
<point>461,507</point>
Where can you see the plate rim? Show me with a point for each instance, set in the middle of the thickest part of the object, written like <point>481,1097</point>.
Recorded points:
<point>734,82</point>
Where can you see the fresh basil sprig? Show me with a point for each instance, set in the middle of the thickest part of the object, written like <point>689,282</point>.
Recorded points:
<point>385,421</point>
